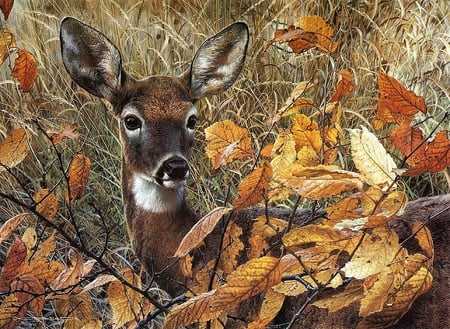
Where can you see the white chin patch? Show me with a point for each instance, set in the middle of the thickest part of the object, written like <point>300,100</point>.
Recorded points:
<point>173,184</point>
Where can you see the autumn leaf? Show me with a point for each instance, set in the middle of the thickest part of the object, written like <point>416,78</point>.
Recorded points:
<point>344,87</point>
<point>371,158</point>
<point>296,38</point>
<point>200,230</point>
<point>7,43</point>
<point>263,229</point>
<point>14,149</point>
<point>6,6</point>
<point>306,133</point>
<point>425,240</point>
<point>271,305</point>
<point>254,187</point>
<point>197,309</point>
<point>46,203</point>
<point>352,293</point>
<point>78,176</point>
<point>76,309</point>
<point>396,103</point>
<point>25,70</point>
<point>283,152</point>
<point>30,292</point>
<point>314,234</point>
<point>321,30</point>
<point>226,142</point>
<point>11,312</point>
<point>320,181</point>
<point>67,133</point>
<point>71,275</point>
<point>15,261</point>
<point>376,251</point>
<point>248,280</point>
<point>10,226</point>
<point>233,247</point>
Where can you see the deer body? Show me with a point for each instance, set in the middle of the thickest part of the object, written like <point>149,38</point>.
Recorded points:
<point>156,119</point>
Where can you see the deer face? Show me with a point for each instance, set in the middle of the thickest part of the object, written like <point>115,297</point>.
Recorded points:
<point>156,115</point>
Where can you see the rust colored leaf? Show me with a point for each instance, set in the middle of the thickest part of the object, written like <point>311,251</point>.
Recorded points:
<point>254,187</point>
<point>125,302</point>
<point>10,226</point>
<point>6,6</point>
<point>78,176</point>
<point>197,309</point>
<point>46,203</point>
<point>67,133</point>
<point>271,305</point>
<point>396,103</point>
<point>14,264</point>
<point>296,38</point>
<point>14,149</point>
<point>320,181</point>
<point>76,309</point>
<point>226,142</point>
<point>25,70</point>
<point>248,280</point>
<point>201,229</point>
<point>7,44</point>
<point>344,87</point>
<point>30,292</point>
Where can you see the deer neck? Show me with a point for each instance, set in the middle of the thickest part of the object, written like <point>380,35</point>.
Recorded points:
<point>157,220</point>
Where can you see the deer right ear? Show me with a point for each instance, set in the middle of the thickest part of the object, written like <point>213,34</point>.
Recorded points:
<point>90,58</point>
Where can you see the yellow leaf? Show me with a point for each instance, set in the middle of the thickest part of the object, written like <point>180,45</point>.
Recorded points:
<point>125,302</point>
<point>262,230</point>
<point>320,181</point>
<point>254,187</point>
<point>283,152</point>
<point>197,309</point>
<point>248,280</point>
<point>7,43</point>
<point>371,158</point>
<point>353,292</point>
<point>200,230</point>
<point>376,251</point>
<point>306,133</point>
<point>233,246</point>
<point>25,70</point>
<point>425,240</point>
<point>271,305</point>
<point>10,226</point>
<point>322,31</point>
<point>78,176</point>
<point>314,234</point>
<point>11,312</point>
<point>226,142</point>
<point>14,149</point>
<point>46,203</point>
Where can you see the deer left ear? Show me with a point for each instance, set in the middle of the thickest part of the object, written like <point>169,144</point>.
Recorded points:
<point>218,61</point>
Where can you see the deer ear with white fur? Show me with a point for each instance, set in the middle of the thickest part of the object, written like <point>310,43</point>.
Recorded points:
<point>218,61</point>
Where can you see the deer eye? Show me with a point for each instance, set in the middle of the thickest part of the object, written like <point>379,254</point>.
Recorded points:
<point>132,122</point>
<point>192,121</point>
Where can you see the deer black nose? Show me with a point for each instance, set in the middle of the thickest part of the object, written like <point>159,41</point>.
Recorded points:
<point>176,168</point>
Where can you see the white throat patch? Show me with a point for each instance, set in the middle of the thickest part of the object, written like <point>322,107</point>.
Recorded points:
<point>152,197</point>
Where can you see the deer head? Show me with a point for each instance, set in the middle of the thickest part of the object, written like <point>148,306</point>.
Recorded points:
<point>156,118</point>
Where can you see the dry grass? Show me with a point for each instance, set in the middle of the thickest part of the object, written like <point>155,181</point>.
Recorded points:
<point>408,39</point>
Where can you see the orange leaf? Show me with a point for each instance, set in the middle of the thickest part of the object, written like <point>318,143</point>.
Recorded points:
<point>409,140</point>
<point>67,133</point>
<point>10,225</point>
<point>14,264</point>
<point>14,149</point>
<point>344,87</point>
<point>78,176</point>
<point>226,142</point>
<point>306,133</point>
<point>46,203</point>
<point>25,70</point>
<point>6,6</point>
<point>11,312</point>
<point>7,43</point>
<point>254,187</point>
<point>200,230</point>
<point>248,280</point>
<point>322,31</point>
<point>396,103</point>
<point>297,39</point>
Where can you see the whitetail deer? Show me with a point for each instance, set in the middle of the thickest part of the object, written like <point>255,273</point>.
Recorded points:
<point>157,118</point>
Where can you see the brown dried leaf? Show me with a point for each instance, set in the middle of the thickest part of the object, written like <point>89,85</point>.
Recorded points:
<point>297,39</point>
<point>70,275</point>
<point>30,292</point>
<point>254,187</point>
<point>76,309</point>
<point>99,281</point>
<point>78,176</point>
<point>14,264</point>
<point>14,149</point>
<point>7,43</point>
<point>248,280</point>
<point>271,305</point>
<point>11,312</point>
<point>46,203</point>
<point>6,6</point>
<point>197,309</point>
<point>226,142</point>
<point>67,133</point>
<point>25,70</point>
<point>263,229</point>
<point>200,230</point>
<point>10,226</point>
